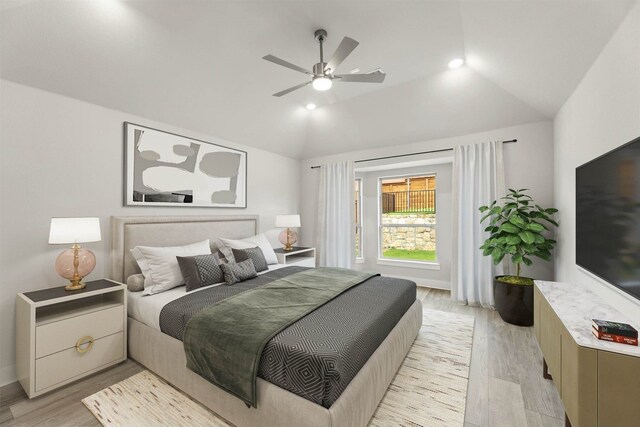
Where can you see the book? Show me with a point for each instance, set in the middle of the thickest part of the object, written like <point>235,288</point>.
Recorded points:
<point>614,338</point>
<point>615,328</point>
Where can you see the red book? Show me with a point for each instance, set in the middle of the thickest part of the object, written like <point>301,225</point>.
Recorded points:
<point>614,338</point>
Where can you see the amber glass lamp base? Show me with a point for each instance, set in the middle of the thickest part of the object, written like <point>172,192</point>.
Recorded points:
<point>288,238</point>
<point>74,264</point>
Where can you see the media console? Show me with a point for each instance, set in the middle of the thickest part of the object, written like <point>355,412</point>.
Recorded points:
<point>598,381</point>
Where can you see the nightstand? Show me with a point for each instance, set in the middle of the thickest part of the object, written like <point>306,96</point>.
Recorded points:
<point>302,257</point>
<point>62,336</point>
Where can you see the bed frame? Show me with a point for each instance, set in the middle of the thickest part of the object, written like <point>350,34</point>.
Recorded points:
<point>164,355</point>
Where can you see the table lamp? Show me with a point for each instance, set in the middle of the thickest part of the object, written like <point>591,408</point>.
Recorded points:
<point>76,262</point>
<point>288,237</point>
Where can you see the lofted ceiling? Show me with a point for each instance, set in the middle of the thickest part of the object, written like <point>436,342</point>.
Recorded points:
<point>197,64</point>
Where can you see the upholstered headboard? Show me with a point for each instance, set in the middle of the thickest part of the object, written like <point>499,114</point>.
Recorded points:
<point>130,231</point>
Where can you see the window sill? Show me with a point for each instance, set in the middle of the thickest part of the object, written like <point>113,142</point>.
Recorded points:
<point>409,264</point>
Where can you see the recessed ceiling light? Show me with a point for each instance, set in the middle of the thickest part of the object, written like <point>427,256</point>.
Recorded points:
<point>355,70</point>
<point>456,63</point>
<point>311,106</point>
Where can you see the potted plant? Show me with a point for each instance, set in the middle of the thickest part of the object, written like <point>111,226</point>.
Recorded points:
<point>517,226</point>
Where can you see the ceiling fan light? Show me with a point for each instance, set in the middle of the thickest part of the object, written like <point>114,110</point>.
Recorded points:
<point>321,83</point>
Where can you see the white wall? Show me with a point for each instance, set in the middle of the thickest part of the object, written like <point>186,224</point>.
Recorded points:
<point>528,164</point>
<point>603,113</point>
<point>63,157</point>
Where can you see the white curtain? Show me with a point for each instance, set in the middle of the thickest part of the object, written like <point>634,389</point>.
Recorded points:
<point>336,220</point>
<point>478,179</point>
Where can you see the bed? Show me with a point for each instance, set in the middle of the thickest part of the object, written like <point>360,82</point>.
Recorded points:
<point>350,403</point>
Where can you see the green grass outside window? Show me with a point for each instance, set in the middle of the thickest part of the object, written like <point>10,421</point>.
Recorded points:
<point>410,255</point>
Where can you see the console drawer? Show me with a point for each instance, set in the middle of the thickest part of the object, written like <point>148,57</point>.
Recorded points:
<point>62,335</point>
<point>67,364</point>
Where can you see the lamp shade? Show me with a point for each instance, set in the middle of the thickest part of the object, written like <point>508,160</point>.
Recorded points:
<point>288,221</point>
<point>74,230</point>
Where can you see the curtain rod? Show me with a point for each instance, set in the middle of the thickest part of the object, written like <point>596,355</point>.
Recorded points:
<point>411,154</point>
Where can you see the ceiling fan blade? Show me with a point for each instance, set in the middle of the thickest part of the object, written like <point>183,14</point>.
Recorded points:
<point>344,49</point>
<point>362,78</point>
<point>284,63</point>
<point>291,89</point>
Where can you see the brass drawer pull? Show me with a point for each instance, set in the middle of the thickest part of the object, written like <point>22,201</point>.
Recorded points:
<point>84,341</point>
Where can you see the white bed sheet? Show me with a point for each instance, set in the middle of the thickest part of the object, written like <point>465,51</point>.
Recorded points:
<point>147,308</point>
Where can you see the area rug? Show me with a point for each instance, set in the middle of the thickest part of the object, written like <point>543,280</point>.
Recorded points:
<point>429,389</point>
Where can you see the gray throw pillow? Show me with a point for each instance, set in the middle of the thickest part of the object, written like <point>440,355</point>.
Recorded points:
<point>200,270</point>
<point>235,272</point>
<point>135,283</point>
<point>254,254</point>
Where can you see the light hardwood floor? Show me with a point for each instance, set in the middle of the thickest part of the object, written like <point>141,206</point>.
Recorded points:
<point>506,387</point>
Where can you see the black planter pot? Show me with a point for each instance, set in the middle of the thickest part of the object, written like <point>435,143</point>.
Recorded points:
<point>514,303</point>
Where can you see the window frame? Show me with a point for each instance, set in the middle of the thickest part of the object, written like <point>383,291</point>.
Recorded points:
<point>360,217</point>
<point>381,260</point>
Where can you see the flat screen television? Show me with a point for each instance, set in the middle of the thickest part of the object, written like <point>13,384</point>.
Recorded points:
<point>608,217</point>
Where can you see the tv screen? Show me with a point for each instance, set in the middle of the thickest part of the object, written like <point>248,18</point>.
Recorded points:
<point>608,217</point>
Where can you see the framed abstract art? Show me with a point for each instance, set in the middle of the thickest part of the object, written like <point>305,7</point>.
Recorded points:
<point>165,169</point>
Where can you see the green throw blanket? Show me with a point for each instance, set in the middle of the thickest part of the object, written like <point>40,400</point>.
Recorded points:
<point>223,343</point>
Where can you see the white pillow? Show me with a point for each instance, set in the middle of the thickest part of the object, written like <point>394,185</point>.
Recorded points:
<point>159,265</point>
<point>260,241</point>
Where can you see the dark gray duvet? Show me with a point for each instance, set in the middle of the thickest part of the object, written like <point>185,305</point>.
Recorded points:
<point>317,356</point>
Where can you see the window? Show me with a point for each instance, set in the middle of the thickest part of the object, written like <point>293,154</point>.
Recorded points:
<point>358,219</point>
<point>408,218</point>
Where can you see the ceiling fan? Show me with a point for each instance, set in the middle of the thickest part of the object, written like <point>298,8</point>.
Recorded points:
<point>323,72</point>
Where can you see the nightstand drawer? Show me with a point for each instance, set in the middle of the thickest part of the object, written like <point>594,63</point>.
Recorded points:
<point>62,335</point>
<point>70,363</point>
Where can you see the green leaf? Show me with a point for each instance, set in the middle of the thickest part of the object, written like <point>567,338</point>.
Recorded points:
<point>517,221</point>
<point>497,255</point>
<point>527,237</point>
<point>539,239</point>
<point>535,227</point>
<point>544,254</point>
<point>487,251</point>
<point>527,261</point>
<point>485,217</point>
<point>551,210</point>
<point>516,259</point>
<point>483,208</point>
<point>513,240</point>
<point>509,228</point>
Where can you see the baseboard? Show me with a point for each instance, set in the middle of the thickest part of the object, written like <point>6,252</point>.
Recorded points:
<point>8,375</point>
